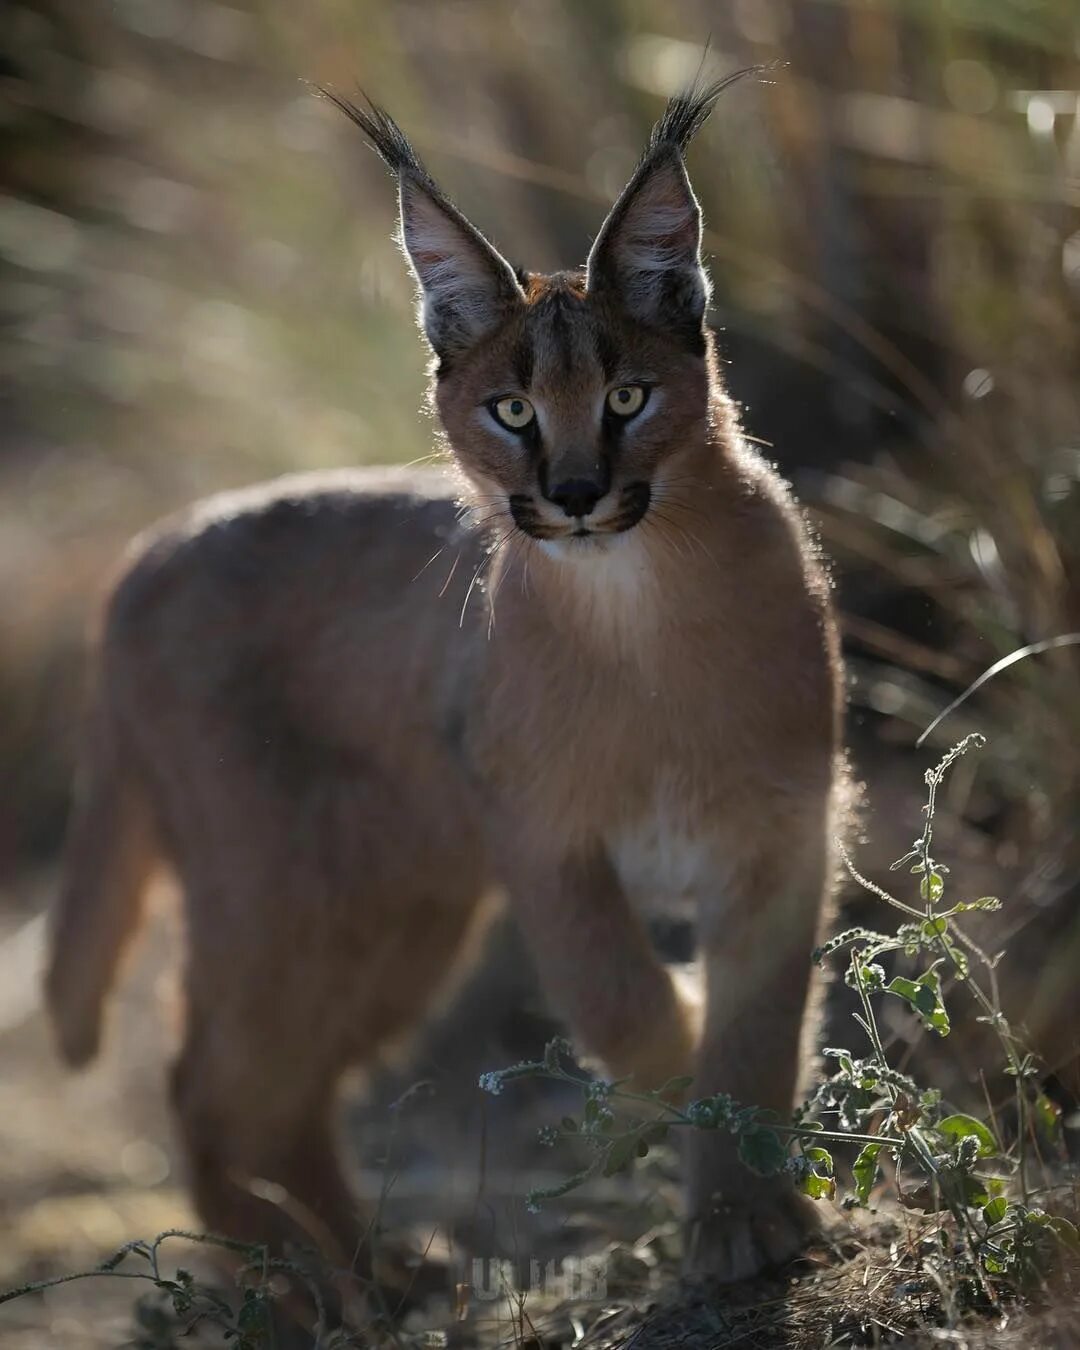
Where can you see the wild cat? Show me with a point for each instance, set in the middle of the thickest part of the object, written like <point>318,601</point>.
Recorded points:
<point>341,747</point>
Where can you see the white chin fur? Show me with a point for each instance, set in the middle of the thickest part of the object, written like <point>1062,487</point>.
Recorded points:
<point>588,549</point>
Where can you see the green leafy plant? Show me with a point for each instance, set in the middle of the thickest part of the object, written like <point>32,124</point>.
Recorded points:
<point>245,1320</point>
<point>946,1163</point>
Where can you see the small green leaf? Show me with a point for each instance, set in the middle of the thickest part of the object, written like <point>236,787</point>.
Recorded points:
<point>865,1170</point>
<point>817,1187</point>
<point>569,1124</point>
<point>673,1085</point>
<point>873,976</point>
<point>1066,1231</point>
<point>1048,1114</point>
<point>924,996</point>
<point>762,1151</point>
<point>989,903</point>
<point>822,1156</point>
<point>995,1211</point>
<point>962,1127</point>
<point>935,928</point>
<point>974,1191</point>
<point>621,1154</point>
<point>931,887</point>
<point>959,959</point>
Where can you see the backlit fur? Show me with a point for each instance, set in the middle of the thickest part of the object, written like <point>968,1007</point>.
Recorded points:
<point>341,746</point>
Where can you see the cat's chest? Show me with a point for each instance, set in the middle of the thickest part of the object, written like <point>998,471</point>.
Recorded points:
<point>665,851</point>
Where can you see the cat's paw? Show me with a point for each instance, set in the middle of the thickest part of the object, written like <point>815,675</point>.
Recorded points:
<point>740,1239</point>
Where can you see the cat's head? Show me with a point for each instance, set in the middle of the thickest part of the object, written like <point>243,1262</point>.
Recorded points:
<point>567,399</point>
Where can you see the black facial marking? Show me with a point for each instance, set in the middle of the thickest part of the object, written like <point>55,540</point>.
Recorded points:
<point>526,517</point>
<point>607,353</point>
<point>561,332</point>
<point>612,427</point>
<point>554,316</point>
<point>533,440</point>
<point>542,475</point>
<point>521,359</point>
<point>634,501</point>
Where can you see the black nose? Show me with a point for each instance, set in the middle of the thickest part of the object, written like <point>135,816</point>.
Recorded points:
<point>576,496</point>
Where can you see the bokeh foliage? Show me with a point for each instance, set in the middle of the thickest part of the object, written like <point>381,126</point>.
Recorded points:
<point>200,289</point>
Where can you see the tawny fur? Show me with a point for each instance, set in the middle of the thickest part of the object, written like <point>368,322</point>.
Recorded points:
<point>342,741</point>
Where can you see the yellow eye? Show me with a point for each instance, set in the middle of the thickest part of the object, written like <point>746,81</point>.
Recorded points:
<point>515,413</point>
<point>626,400</point>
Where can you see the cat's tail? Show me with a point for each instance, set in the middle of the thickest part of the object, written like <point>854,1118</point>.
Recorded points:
<point>111,850</point>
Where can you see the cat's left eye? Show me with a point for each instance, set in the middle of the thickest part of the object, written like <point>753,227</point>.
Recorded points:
<point>627,400</point>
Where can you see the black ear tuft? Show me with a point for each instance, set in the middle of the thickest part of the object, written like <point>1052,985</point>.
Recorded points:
<point>467,288</point>
<point>387,138</point>
<point>688,112</point>
<point>647,256</point>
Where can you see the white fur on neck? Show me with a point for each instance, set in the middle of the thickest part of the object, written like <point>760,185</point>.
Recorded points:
<point>607,585</point>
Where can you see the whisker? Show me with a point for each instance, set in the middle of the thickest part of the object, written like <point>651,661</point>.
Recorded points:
<point>525,569</point>
<point>444,455</point>
<point>484,562</point>
<point>465,602</point>
<point>429,562</point>
<point>688,535</point>
<point>680,504</point>
<point>659,518</point>
<point>479,524</point>
<point>519,534</point>
<point>450,576</point>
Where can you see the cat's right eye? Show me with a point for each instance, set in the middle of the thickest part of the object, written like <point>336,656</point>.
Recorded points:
<point>514,413</point>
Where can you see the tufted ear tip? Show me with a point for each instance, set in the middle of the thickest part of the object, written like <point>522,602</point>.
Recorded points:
<point>648,252</point>
<point>466,286</point>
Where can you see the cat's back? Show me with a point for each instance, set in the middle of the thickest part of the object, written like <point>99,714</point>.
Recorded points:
<point>300,574</point>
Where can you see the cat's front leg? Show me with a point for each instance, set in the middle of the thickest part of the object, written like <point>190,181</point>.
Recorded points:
<point>757,931</point>
<point>598,966</point>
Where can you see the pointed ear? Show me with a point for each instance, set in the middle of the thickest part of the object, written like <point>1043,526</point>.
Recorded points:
<point>647,256</point>
<point>467,288</point>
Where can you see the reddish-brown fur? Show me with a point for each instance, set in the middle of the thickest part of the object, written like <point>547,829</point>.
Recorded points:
<point>342,751</point>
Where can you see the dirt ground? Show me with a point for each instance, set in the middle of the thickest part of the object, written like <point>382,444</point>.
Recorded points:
<point>88,1160</point>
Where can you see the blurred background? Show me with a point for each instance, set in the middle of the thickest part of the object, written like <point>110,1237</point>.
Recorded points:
<point>199,290</point>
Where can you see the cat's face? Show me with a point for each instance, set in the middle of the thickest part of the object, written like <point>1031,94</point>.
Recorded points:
<point>567,399</point>
<point>568,421</point>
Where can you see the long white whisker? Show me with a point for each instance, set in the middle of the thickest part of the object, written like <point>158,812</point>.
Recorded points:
<point>429,562</point>
<point>450,576</point>
<point>484,562</point>
<point>514,540</point>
